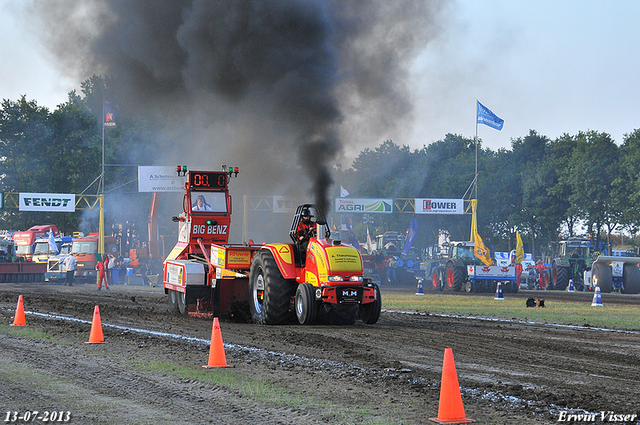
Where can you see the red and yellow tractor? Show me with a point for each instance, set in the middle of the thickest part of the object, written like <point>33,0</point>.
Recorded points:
<point>316,277</point>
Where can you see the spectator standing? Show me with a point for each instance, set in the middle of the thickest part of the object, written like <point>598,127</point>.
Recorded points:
<point>110,266</point>
<point>391,270</point>
<point>69,264</point>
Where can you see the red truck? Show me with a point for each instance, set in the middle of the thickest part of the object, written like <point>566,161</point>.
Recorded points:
<point>25,241</point>
<point>86,249</point>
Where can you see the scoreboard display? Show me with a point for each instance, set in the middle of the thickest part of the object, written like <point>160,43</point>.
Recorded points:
<point>207,180</point>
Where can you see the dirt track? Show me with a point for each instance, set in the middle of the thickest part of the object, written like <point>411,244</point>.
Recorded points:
<point>387,373</point>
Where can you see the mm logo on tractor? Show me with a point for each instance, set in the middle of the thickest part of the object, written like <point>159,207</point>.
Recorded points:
<point>349,293</point>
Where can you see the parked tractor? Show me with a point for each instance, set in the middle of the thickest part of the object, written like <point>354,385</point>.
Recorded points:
<point>568,259</point>
<point>612,273</point>
<point>451,269</point>
<point>458,269</point>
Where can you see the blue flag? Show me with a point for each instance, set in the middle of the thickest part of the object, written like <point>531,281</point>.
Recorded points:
<point>413,231</point>
<point>486,117</point>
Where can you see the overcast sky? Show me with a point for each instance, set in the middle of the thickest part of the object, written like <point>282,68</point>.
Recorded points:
<point>552,66</point>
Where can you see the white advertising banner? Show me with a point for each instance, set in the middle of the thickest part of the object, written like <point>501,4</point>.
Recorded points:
<point>369,206</point>
<point>160,179</point>
<point>439,206</point>
<point>50,202</point>
<point>283,204</point>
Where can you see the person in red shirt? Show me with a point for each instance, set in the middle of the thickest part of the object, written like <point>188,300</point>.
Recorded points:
<point>542,275</point>
<point>101,267</point>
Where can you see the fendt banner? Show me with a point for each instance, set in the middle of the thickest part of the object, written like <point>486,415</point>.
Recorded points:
<point>283,204</point>
<point>439,206</point>
<point>50,202</point>
<point>370,206</point>
<point>160,179</point>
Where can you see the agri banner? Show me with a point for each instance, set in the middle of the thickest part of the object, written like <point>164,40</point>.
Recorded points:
<point>370,206</point>
<point>439,206</point>
<point>49,202</point>
<point>160,179</point>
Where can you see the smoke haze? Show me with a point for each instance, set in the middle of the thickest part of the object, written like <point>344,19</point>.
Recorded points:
<point>282,89</point>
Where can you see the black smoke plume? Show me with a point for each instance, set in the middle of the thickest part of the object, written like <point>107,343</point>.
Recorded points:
<point>272,85</point>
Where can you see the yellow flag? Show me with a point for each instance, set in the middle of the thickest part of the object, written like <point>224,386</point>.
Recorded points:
<point>519,249</point>
<point>480,250</point>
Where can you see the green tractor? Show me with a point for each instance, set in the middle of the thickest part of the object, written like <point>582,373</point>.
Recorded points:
<point>451,269</point>
<point>569,259</point>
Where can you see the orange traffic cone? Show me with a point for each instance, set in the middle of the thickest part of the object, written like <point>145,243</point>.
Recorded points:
<point>96,337</point>
<point>216,351</point>
<point>18,319</point>
<point>450,410</point>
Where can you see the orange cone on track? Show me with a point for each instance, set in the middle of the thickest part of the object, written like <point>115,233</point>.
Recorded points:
<point>217,357</point>
<point>96,336</point>
<point>450,410</point>
<point>18,319</point>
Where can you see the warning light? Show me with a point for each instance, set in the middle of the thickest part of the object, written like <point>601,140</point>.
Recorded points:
<point>230,171</point>
<point>209,222</point>
<point>181,170</point>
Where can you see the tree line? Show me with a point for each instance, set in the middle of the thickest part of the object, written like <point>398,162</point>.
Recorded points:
<point>539,187</point>
<point>60,151</point>
<point>576,185</point>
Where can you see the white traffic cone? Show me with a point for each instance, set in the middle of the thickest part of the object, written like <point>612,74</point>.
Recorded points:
<point>419,289</point>
<point>571,288</point>
<point>597,298</point>
<point>499,294</point>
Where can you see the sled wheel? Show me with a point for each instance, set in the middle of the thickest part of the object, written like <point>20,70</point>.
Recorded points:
<point>181,300</point>
<point>172,296</point>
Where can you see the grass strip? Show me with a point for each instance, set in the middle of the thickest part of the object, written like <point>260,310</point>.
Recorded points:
<point>611,316</point>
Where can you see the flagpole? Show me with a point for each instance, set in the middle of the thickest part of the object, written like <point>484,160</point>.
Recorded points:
<point>101,192</point>
<point>102,125</point>
<point>476,176</point>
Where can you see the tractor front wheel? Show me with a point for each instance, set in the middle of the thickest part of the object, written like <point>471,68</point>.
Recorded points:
<point>306,305</point>
<point>370,313</point>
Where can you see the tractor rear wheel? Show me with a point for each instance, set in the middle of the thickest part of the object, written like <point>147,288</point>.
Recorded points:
<point>601,276</point>
<point>306,305</point>
<point>548,279</point>
<point>270,293</point>
<point>455,277</point>
<point>370,313</point>
<point>631,279</point>
<point>560,277</point>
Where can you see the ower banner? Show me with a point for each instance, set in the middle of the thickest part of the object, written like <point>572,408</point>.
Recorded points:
<point>439,206</point>
<point>50,202</point>
<point>160,179</point>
